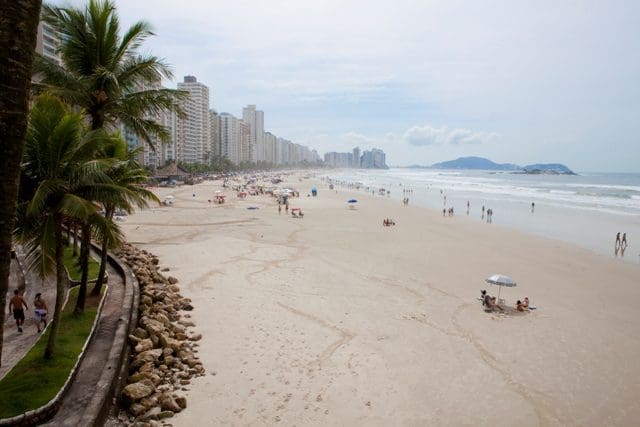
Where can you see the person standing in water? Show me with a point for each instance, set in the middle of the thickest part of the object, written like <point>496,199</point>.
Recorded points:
<point>533,205</point>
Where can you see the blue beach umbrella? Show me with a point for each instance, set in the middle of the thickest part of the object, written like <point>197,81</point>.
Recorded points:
<point>352,201</point>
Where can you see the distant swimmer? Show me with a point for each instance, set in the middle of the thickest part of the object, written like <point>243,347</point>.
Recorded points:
<point>533,205</point>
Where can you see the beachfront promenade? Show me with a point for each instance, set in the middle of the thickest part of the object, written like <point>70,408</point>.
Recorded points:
<point>89,396</point>
<point>333,319</point>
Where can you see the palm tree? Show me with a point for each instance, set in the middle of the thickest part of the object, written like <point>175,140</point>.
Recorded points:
<point>104,74</point>
<point>59,167</point>
<point>18,29</point>
<point>129,176</point>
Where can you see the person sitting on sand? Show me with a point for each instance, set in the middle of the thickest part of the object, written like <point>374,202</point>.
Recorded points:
<point>486,298</point>
<point>520,306</point>
<point>300,213</point>
<point>493,304</point>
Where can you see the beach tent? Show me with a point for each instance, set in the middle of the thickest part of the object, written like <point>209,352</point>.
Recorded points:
<point>501,280</point>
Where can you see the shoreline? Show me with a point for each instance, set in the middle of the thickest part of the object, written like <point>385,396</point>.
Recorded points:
<point>334,319</point>
<point>586,227</point>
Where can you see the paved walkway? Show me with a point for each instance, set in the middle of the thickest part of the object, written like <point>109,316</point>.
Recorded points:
<point>17,344</point>
<point>77,399</point>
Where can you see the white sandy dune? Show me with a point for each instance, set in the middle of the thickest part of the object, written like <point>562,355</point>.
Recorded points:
<point>334,319</point>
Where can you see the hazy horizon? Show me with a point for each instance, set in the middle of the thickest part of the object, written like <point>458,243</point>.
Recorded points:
<point>515,82</point>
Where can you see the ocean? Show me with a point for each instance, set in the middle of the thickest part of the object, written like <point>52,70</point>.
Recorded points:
<point>587,209</point>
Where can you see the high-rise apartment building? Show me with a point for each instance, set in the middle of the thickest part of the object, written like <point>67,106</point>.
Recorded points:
<point>194,130</point>
<point>230,137</point>
<point>255,120</point>
<point>214,125</point>
<point>48,42</point>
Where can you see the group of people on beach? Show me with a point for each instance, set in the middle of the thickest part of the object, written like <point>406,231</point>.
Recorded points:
<point>448,212</point>
<point>490,302</point>
<point>489,215</point>
<point>621,243</point>
<point>388,222</point>
<point>405,201</point>
<point>17,306</point>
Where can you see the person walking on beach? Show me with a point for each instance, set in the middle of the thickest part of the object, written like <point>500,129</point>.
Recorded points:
<point>15,306</point>
<point>482,212</point>
<point>623,243</point>
<point>279,208</point>
<point>41,311</point>
<point>618,240</point>
<point>533,205</point>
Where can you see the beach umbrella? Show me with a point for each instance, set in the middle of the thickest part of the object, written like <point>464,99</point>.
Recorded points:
<point>501,280</point>
<point>169,197</point>
<point>352,201</point>
<point>253,208</point>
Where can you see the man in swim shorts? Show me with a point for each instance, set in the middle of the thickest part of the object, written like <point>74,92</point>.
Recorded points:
<point>15,305</point>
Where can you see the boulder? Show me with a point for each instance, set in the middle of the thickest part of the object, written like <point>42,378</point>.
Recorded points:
<point>144,345</point>
<point>169,404</point>
<point>181,401</point>
<point>172,280</point>
<point>137,391</point>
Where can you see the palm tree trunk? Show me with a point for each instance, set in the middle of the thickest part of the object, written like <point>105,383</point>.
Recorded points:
<point>103,259</point>
<point>61,287</point>
<point>84,267</point>
<point>17,44</point>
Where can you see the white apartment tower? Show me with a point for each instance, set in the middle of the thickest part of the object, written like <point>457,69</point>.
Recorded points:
<point>214,125</point>
<point>230,137</point>
<point>255,120</point>
<point>48,42</point>
<point>194,136</point>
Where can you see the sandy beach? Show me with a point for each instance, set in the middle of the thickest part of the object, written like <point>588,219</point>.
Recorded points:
<point>333,319</point>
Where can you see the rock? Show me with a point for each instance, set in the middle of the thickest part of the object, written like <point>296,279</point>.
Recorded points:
<point>186,323</point>
<point>181,336</point>
<point>172,280</point>
<point>195,337</point>
<point>149,402</point>
<point>165,414</point>
<point>151,414</point>
<point>137,391</point>
<point>152,326</point>
<point>144,345</point>
<point>137,409</point>
<point>137,377</point>
<point>174,288</point>
<point>140,333</point>
<point>164,319</point>
<point>185,382</point>
<point>165,269</point>
<point>181,401</point>
<point>169,404</point>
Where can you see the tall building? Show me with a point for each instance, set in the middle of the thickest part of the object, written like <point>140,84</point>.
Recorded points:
<point>270,142</point>
<point>255,120</point>
<point>229,135</point>
<point>356,158</point>
<point>214,125</point>
<point>195,133</point>
<point>48,42</point>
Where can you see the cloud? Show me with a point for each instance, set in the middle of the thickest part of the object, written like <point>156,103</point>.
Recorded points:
<point>428,135</point>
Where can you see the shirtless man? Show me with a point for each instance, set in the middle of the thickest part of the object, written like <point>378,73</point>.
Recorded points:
<point>15,306</point>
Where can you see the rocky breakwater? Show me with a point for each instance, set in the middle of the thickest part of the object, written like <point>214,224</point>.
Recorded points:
<point>163,357</point>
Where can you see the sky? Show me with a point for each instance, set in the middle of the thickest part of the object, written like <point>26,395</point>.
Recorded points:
<point>426,81</point>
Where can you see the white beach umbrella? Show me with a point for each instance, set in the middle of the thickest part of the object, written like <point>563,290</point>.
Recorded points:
<point>501,280</point>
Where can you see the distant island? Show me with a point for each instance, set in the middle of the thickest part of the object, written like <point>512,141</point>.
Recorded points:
<point>480,163</point>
